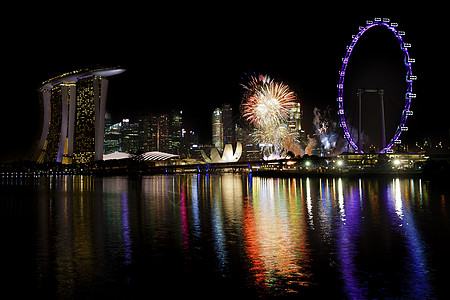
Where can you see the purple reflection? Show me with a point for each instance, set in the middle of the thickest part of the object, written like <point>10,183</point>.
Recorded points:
<point>417,277</point>
<point>184,219</point>
<point>348,235</point>
<point>125,226</point>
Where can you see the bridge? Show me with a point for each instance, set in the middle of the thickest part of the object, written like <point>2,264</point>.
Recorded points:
<point>354,163</point>
<point>305,165</point>
<point>232,167</point>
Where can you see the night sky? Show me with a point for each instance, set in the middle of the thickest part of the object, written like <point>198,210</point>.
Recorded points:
<point>193,58</point>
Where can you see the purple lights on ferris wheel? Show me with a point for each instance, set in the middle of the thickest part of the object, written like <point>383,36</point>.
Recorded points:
<point>410,78</point>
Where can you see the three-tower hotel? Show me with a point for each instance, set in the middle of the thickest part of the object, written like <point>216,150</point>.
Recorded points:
<point>73,116</point>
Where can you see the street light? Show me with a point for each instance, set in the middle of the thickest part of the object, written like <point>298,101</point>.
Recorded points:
<point>397,164</point>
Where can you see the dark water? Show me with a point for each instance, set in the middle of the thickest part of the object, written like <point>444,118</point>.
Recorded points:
<point>224,236</point>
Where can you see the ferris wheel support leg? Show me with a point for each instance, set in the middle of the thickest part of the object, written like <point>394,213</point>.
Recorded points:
<point>383,123</point>
<point>359,120</point>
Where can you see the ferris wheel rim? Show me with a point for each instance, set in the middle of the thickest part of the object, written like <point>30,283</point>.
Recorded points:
<point>409,80</point>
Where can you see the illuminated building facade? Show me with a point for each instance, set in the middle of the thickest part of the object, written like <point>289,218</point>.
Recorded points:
<point>222,126</point>
<point>228,155</point>
<point>147,132</point>
<point>227,121</point>
<point>217,129</point>
<point>113,136</point>
<point>295,118</point>
<point>176,132</point>
<point>73,116</point>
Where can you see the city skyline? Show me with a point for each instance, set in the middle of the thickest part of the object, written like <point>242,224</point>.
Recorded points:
<point>199,63</point>
<point>162,132</point>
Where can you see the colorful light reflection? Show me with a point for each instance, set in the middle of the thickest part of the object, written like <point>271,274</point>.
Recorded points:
<point>280,236</point>
<point>417,273</point>
<point>275,237</point>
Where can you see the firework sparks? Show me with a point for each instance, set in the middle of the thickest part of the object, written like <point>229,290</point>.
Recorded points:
<point>266,106</point>
<point>325,128</point>
<point>254,83</point>
<point>269,104</point>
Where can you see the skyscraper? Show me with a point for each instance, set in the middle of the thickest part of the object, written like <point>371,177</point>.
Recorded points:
<point>113,137</point>
<point>130,137</point>
<point>73,116</point>
<point>295,118</point>
<point>175,131</point>
<point>147,132</point>
<point>217,129</point>
<point>227,120</point>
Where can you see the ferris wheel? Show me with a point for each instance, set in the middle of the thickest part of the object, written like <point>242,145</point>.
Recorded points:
<point>410,78</point>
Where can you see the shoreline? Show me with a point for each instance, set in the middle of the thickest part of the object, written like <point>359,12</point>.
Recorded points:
<point>259,173</point>
<point>342,173</point>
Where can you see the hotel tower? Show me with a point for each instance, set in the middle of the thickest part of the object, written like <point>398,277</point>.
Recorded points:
<point>73,116</point>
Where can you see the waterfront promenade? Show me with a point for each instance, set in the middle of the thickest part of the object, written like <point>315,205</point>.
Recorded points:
<point>342,165</point>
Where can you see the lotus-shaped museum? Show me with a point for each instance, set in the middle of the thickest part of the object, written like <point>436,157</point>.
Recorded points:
<point>228,155</point>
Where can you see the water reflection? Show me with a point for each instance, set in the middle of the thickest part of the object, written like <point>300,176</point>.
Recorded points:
<point>65,229</point>
<point>275,236</point>
<point>347,236</point>
<point>352,238</point>
<point>416,271</point>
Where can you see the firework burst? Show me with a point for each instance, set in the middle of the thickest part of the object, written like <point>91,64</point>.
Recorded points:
<point>254,83</point>
<point>269,104</point>
<point>266,106</point>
